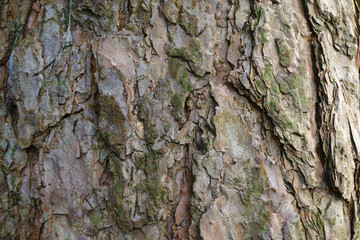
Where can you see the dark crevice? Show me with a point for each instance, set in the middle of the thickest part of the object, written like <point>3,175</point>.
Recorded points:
<point>356,185</point>
<point>352,215</point>
<point>199,141</point>
<point>12,110</point>
<point>129,10</point>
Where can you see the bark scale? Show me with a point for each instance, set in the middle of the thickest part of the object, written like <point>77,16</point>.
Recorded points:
<point>168,119</point>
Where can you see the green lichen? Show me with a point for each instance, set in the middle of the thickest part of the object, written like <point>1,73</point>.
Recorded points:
<point>120,209</point>
<point>237,181</point>
<point>184,24</point>
<point>320,222</point>
<point>257,212</point>
<point>177,101</point>
<point>118,185</point>
<point>150,165</point>
<point>196,54</point>
<point>260,85</point>
<point>294,81</point>
<point>173,51</point>
<point>179,71</point>
<point>342,151</point>
<point>185,82</point>
<point>273,107</point>
<point>94,147</point>
<point>196,214</point>
<point>268,75</point>
<point>176,66</point>
<point>149,162</point>
<point>13,150</point>
<point>270,81</point>
<point>122,212</point>
<point>150,135</point>
<point>17,28</point>
<point>262,37</point>
<point>192,52</point>
<point>287,25</point>
<point>103,136</point>
<point>95,218</point>
<point>6,168</point>
<point>145,110</point>
<point>177,104</point>
<point>297,89</point>
<point>166,127</point>
<point>156,193</point>
<point>152,162</point>
<point>259,15</point>
<point>289,124</point>
<point>283,52</point>
<point>130,27</point>
<point>13,179</point>
<point>236,5</point>
<point>62,82</point>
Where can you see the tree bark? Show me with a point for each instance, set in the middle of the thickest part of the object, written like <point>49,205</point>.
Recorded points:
<point>179,119</point>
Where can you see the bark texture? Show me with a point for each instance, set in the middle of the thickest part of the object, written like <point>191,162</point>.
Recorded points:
<point>179,119</point>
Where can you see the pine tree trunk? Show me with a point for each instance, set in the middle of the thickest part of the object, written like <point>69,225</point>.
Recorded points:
<point>179,119</point>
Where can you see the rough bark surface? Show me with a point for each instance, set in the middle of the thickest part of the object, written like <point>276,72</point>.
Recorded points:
<point>179,119</point>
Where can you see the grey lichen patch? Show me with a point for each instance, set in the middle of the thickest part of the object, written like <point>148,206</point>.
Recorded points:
<point>284,53</point>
